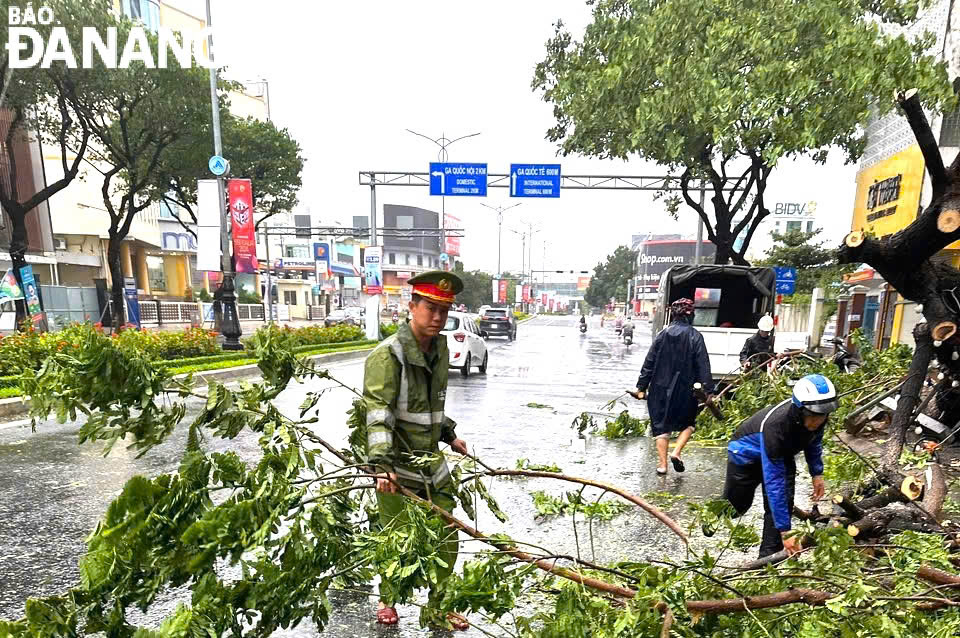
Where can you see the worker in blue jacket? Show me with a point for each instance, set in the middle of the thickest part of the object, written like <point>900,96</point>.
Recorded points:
<point>762,452</point>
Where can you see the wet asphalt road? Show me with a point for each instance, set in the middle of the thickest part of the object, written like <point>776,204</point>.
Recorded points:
<point>55,491</point>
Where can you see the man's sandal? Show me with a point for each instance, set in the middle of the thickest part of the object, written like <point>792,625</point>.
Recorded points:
<point>678,465</point>
<point>387,616</point>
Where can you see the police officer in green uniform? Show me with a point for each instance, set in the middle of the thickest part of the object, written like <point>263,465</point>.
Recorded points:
<point>404,390</point>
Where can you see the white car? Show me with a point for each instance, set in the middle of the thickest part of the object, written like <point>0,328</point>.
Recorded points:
<point>466,345</point>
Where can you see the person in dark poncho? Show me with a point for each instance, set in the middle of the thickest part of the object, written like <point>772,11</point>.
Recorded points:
<point>676,361</point>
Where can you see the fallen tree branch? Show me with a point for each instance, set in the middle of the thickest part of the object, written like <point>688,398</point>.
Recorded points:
<point>639,502</point>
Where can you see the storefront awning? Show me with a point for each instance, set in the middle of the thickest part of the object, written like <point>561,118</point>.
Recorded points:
<point>346,271</point>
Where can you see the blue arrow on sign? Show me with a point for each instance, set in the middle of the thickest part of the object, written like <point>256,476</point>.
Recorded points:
<point>218,165</point>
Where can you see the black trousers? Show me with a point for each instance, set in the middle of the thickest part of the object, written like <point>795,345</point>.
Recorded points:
<point>740,487</point>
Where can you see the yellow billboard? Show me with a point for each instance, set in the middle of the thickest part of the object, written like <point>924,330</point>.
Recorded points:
<point>888,193</point>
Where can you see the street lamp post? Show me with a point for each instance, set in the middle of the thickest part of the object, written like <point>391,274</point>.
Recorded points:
<point>229,322</point>
<point>442,156</point>
<point>499,210</point>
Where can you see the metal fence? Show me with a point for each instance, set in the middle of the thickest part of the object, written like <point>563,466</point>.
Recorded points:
<point>65,305</point>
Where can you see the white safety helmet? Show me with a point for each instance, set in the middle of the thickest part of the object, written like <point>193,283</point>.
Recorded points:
<point>815,393</point>
<point>765,323</point>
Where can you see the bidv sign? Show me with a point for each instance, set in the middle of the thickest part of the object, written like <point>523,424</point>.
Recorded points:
<point>25,39</point>
<point>793,208</point>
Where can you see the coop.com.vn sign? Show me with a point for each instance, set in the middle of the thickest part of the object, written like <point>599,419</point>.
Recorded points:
<point>26,47</point>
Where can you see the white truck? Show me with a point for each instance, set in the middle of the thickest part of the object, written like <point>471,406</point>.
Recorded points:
<point>729,301</point>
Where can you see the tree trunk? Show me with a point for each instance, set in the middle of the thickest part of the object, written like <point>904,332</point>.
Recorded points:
<point>909,396</point>
<point>116,288</point>
<point>18,251</point>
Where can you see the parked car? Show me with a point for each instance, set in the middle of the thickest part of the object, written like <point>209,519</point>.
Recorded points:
<point>499,321</point>
<point>347,316</point>
<point>466,344</point>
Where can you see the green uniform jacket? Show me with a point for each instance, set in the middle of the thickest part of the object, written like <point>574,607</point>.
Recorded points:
<point>404,390</point>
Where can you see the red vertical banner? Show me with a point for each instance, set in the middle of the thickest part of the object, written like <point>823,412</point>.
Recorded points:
<point>526,294</point>
<point>240,198</point>
<point>502,293</point>
<point>543,298</point>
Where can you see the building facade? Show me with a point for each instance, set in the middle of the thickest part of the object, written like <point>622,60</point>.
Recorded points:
<point>405,257</point>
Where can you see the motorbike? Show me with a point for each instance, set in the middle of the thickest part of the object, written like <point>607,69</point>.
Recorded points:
<point>844,359</point>
<point>583,328</point>
<point>396,317</point>
<point>628,336</point>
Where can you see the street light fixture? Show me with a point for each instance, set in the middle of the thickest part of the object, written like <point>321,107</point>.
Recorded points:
<point>443,142</point>
<point>500,210</point>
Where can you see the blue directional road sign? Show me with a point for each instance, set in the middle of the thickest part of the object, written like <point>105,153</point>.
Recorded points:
<point>218,165</point>
<point>786,280</point>
<point>452,179</point>
<point>534,180</point>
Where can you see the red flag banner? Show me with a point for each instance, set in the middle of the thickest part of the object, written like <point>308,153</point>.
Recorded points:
<point>240,193</point>
<point>503,291</point>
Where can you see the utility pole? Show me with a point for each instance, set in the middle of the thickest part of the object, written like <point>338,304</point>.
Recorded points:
<point>499,210</point>
<point>227,298</point>
<point>443,142</point>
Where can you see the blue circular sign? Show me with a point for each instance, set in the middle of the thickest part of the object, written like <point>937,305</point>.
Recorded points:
<point>218,165</point>
<point>444,257</point>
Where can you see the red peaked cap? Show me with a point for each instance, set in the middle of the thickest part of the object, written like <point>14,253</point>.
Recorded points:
<point>682,307</point>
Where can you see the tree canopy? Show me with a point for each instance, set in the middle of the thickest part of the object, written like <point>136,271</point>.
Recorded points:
<point>610,277</point>
<point>136,116</point>
<point>722,90</point>
<point>257,150</point>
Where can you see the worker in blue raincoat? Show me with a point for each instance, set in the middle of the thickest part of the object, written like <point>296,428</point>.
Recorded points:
<point>675,362</point>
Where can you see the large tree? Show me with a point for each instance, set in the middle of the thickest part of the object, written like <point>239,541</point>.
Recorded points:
<point>610,277</point>
<point>34,99</point>
<point>722,90</point>
<point>136,116</point>
<point>257,150</point>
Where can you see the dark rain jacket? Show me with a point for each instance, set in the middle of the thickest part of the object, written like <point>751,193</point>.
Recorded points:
<point>676,360</point>
<point>773,437</point>
<point>758,349</point>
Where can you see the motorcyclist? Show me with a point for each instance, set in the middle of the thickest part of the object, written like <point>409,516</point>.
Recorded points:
<point>583,323</point>
<point>619,324</point>
<point>628,328</point>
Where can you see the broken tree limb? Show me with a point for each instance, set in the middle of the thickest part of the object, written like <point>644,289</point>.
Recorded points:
<point>811,597</point>
<point>911,488</point>
<point>874,522</point>
<point>910,103</point>
<point>851,509</point>
<point>935,491</point>
<point>938,576</point>
<point>636,500</point>
<point>881,499</point>
<point>770,559</point>
<point>707,401</point>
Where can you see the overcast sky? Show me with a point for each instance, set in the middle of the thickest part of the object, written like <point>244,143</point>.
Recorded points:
<point>347,79</point>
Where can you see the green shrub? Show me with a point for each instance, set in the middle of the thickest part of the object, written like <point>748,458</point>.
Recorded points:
<point>388,329</point>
